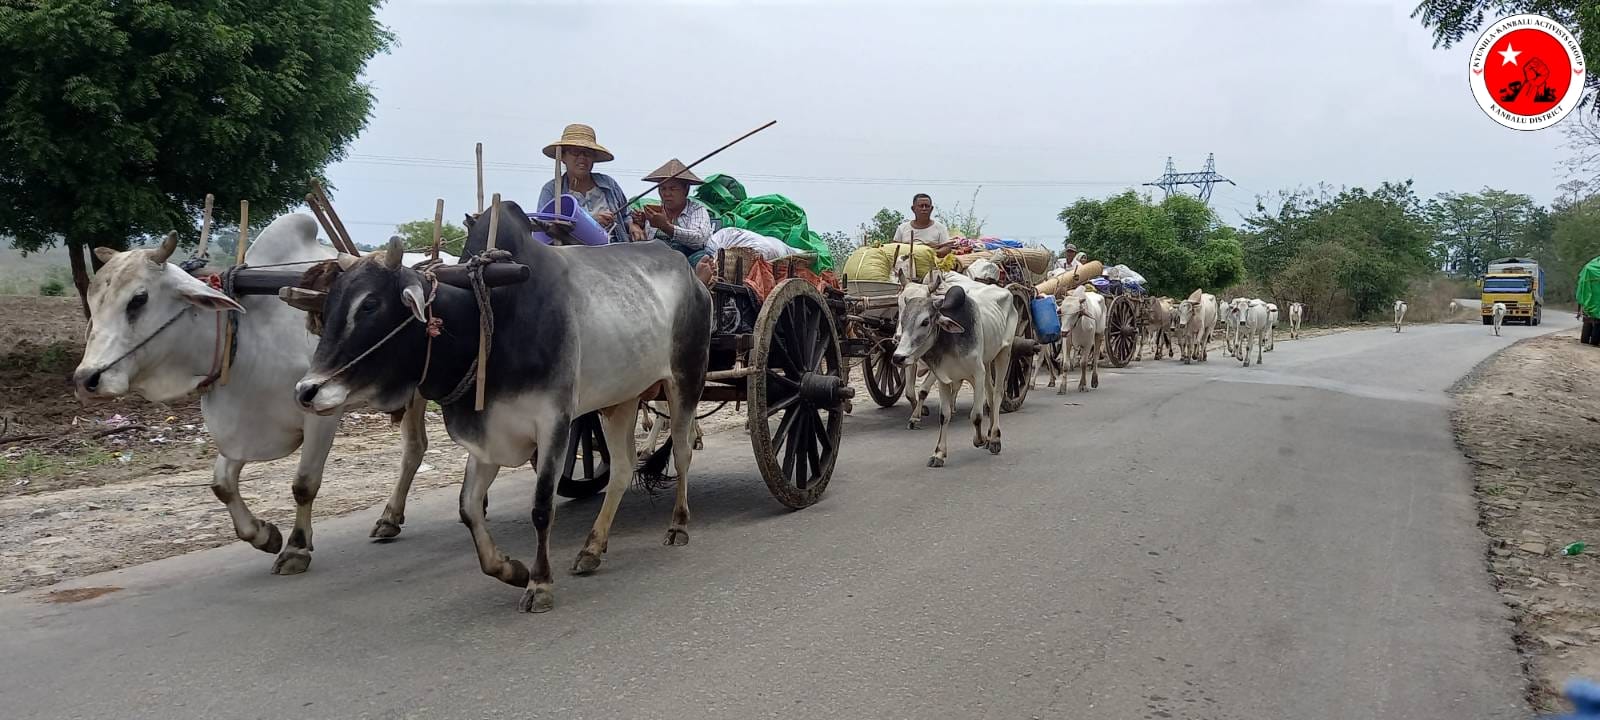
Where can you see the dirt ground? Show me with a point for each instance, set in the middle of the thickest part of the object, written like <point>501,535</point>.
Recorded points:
<point>1529,421</point>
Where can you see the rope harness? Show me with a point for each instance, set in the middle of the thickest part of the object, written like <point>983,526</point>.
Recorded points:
<point>434,325</point>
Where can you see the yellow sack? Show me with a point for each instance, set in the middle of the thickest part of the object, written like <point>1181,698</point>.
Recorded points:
<point>876,263</point>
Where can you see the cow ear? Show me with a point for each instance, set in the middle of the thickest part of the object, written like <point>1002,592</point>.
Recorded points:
<point>413,298</point>
<point>950,326</point>
<point>203,296</point>
<point>105,254</point>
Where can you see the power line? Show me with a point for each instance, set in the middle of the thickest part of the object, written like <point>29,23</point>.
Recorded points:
<point>1205,179</point>
<point>403,161</point>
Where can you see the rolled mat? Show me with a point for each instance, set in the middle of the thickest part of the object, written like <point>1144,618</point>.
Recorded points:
<point>1064,282</point>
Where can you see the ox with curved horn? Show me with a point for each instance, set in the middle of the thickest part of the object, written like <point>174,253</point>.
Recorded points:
<point>157,332</point>
<point>631,316</point>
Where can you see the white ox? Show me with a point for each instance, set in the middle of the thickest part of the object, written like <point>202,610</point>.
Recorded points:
<point>1232,314</point>
<point>1499,310</point>
<point>157,332</point>
<point>964,334</point>
<point>1272,325</point>
<point>1083,331</point>
<point>1297,313</point>
<point>1195,319</point>
<point>1399,314</point>
<point>1255,324</point>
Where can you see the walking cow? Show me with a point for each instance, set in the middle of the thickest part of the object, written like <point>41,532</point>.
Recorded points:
<point>1499,310</point>
<point>1399,314</point>
<point>1297,313</point>
<point>1083,330</point>
<point>592,329</point>
<point>158,332</point>
<point>963,333</point>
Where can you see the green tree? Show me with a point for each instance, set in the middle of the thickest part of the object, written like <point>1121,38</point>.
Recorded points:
<point>1369,244</point>
<point>117,118</point>
<point>418,236</point>
<point>880,229</point>
<point>840,245</point>
<point>1177,244</point>
<point>963,223</point>
<point>1575,240</point>
<point>1474,228</point>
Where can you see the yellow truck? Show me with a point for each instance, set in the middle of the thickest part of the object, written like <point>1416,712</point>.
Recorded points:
<point>1519,284</point>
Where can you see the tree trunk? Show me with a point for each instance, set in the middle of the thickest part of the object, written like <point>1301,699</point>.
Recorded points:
<point>80,273</point>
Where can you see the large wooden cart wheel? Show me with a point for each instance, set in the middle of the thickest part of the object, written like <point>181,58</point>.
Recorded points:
<point>885,382</point>
<point>1122,330</point>
<point>796,393</point>
<point>587,444</point>
<point>1019,375</point>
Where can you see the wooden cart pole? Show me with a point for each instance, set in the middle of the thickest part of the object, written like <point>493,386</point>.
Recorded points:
<point>438,226</point>
<point>483,337</point>
<point>327,206</point>
<point>238,259</point>
<point>480,178</point>
<point>205,229</point>
<point>690,166</point>
<point>322,219</point>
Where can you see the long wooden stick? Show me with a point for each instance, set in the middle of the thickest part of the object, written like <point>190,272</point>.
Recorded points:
<point>438,225</point>
<point>327,225</point>
<point>707,156</point>
<point>333,215</point>
<point>480,178</point>
<point>483,337</point>
<point>205,228</point>
<point>238,259</point>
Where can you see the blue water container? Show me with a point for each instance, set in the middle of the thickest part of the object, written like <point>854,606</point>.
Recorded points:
<point>1046,321</point>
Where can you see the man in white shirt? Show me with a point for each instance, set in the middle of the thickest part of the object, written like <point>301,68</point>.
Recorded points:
<point>922,227</point>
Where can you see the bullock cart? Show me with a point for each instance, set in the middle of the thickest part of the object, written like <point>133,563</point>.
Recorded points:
<point>785,359</point>
<point>1124,321</point>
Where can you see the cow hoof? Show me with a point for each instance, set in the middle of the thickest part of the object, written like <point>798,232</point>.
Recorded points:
<point>980,441</point>
<point>676,537</point>
<point>274,539</point>
<point>385,529</point>
<point>699,444</point>
<point>1062,390</point>
<point>586,563</point>
<point>292,562</point>
<point>537,600</point>
<point>1095,383</point>
<point>994,447</point>
<point>925,411</point>
<point>913,424</point>
<point>935,462</point>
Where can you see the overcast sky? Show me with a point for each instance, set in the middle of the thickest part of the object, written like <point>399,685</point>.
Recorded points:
<point>1039,103</point>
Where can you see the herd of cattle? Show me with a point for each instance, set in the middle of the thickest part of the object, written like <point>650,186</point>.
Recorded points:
<point>593,329</point>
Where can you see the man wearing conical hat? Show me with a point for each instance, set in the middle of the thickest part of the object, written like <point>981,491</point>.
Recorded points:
<point>597,193</point>
<point>679,221</point>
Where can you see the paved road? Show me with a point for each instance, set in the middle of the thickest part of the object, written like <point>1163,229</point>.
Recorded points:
<point>1290,541</point>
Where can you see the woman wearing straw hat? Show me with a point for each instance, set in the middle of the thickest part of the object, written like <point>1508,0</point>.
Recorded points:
<point>678,221</point>
<point>597,193</point>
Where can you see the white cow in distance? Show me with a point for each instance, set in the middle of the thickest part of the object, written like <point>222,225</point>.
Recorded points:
<point>1255,322</point>
<point>1499,311</point>
<point>1083,329</point>
<point>1399,314</point>
<point>1297,312</point>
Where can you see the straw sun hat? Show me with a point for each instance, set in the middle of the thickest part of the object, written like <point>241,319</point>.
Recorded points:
<point>576,135</point>
<point>672,167</point>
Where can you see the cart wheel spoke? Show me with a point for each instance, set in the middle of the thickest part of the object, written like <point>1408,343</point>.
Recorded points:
<point>785,403</point>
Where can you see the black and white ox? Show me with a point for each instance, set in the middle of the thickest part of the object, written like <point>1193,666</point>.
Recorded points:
<point>592,329</point>
<point>963,333</point>
<point>157,332</point>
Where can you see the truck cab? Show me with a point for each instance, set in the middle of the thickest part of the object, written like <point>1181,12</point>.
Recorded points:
<point>1518,283</point>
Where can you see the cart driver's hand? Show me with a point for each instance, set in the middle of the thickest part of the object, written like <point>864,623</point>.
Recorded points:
<point>636,232</point>
<point>606,218</point>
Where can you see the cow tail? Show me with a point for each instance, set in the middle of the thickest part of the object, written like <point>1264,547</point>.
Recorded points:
<point>651,475</point>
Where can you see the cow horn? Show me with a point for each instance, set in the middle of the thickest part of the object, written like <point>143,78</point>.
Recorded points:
<point>168,245</point>
<point>302,298</point>
<point>396,254</point>
<point>347,261</point>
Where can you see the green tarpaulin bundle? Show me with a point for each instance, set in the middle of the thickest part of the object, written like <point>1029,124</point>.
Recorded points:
<point>1589,288</point>
<point>771,215</point>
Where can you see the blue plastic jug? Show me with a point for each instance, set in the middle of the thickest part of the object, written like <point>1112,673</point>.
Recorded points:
<point>1585,698</point>
<point>1046,321</point>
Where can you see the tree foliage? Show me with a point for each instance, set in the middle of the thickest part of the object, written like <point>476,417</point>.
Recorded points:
<point>880,229</point>
<point>1177,244</point>
<point>840,245</point>
<point>1474,228</point>
<point>116,118</point>
<point>418,236</point>
<point>1357,248</point>
<point>963,223</point>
